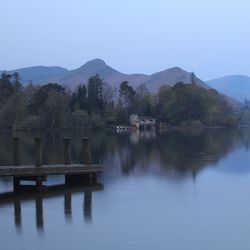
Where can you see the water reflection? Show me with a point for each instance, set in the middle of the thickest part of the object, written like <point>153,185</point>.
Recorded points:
<point>155,206</point>
<point>87,206</point>
<point>183,152</point>
<point>180,153</point>
<point>17,214</point>
<point>37,196</point>
<point>68,206</point>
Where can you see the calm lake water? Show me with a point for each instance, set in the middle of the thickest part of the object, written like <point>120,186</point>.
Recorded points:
<point>178,190</point>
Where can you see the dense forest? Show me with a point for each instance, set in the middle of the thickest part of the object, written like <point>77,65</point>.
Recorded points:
<point>97,104</point>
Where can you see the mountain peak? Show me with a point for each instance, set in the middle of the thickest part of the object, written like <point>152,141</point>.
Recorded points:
<point>176,69</point>
<point>79,75</point>
<point>95,63</point>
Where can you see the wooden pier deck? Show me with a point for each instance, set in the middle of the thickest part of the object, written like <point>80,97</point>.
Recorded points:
<point>57,169</point>
<point>74,173</point>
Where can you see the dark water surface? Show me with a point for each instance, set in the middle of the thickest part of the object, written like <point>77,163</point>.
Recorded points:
<point>176,190</point>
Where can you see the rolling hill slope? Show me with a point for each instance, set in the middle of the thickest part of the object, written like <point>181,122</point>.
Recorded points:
<point>235,86</point>
<point>37,74</point>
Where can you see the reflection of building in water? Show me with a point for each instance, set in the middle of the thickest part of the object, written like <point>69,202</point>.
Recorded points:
<point>142,122</point>
<point>135,136</point>
<point>30,193</point>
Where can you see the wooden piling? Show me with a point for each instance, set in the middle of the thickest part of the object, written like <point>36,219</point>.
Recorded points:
<point>74,173</point>
<point>16,151</point>
<point>16,183</point>
<point>39,182</point>
<point>38,151</point>
<point>86,151</point>
<point>66,151</point>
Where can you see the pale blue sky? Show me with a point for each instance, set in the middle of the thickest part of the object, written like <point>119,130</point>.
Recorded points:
<point>209,37</point>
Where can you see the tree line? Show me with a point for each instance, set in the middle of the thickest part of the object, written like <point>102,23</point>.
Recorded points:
<point>97,104</point>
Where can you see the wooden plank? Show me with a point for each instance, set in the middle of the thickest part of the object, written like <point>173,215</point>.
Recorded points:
<point>31,170</point>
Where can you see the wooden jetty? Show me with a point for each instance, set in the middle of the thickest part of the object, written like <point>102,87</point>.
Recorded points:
<point>57,169</point>
<point>74,173</point>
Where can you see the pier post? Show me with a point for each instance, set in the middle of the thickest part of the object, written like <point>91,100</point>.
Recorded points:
<point>38,160</point>
<point>16,151</point>
<point>66,158</point>
<point>39,182</point>
<point>16,180</point>
<point>66,151</point>
<point>38,151</point>
<point>86,151</point>
<point>16,183</point>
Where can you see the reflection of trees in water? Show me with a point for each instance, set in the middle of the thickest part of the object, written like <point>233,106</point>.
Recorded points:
<point>187,151</point>
<point>52,143</point>
<point>182,151</point>
<point>245,134</point>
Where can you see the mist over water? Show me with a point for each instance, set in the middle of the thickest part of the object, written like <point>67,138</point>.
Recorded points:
<point>170,190</point>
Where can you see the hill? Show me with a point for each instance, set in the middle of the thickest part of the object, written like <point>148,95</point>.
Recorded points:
<point>72,78</point>
<point>235,86</point>
<point>37,74</point>
<point>171,77</point>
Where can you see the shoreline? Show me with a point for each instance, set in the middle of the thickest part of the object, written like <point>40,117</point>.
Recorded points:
<point>167,128</point>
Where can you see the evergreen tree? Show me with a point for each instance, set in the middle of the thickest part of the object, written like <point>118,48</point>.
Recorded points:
<point>95,95</point>
<point>127,94</point>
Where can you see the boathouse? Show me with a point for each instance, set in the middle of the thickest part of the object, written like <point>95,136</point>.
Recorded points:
<point>142,122</point>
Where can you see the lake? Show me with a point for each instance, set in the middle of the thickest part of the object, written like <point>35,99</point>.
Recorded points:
<point>178,190</point>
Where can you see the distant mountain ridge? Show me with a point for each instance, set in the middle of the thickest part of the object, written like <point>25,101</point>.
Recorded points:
<point>171,77</point>
<point>38,74</point>
<point>72,78</point>
<point>236,86</point>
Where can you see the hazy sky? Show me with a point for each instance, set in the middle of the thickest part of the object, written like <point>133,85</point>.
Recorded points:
<point>209,37</point>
